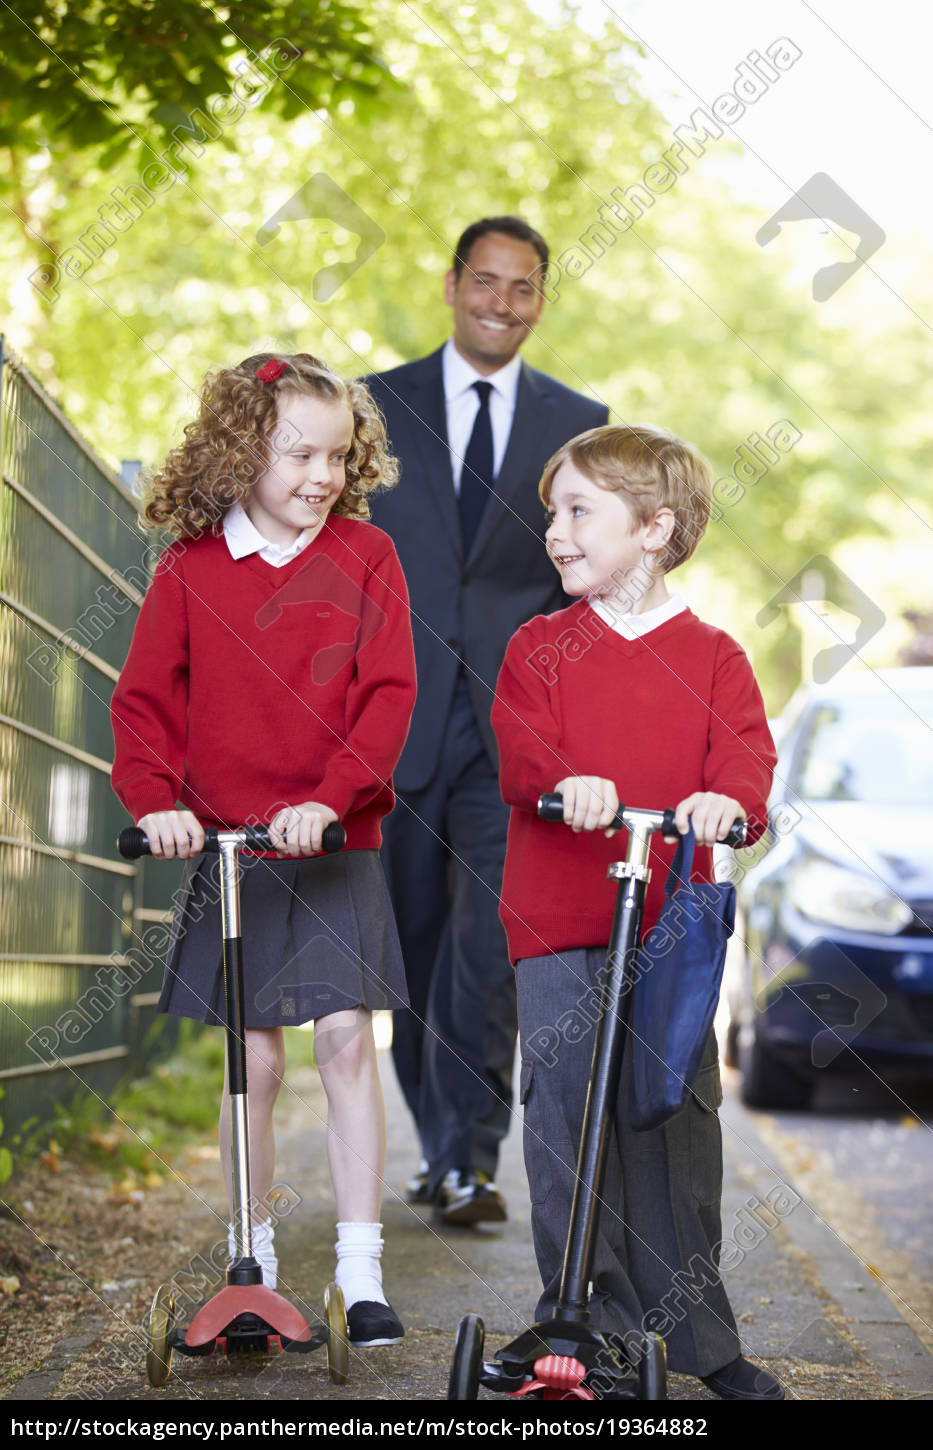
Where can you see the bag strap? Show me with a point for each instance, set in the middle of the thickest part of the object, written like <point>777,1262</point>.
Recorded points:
<point>682,864</point>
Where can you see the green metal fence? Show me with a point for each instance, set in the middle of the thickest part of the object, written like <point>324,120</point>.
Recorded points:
<point>80,929</point>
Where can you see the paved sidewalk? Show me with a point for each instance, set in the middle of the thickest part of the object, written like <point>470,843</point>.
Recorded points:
<point>804,1303</point>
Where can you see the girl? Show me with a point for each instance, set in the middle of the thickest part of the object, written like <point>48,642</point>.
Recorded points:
<point>271,679</point>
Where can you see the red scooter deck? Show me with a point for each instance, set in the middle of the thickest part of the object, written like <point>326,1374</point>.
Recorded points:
<point>215,1317</point>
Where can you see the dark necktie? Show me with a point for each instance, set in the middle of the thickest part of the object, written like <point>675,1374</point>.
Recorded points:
<point>477,479</point>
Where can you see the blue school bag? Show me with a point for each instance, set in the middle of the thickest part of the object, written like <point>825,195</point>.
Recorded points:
<point>678,977</point>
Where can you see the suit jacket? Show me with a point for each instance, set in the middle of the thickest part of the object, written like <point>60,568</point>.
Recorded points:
<point>468,608</point>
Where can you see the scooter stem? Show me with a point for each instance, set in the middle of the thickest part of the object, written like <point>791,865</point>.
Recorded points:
<point>133,843</point>
<point>228,843</point>
<point>633,876</point>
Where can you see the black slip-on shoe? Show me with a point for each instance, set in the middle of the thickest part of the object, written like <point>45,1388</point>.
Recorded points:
<point>466,1197</point>
<point>369,1324</point>
<point>742,1380</point>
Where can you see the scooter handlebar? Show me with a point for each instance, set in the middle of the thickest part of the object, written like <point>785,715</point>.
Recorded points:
<point>133,843</point>
<point>551,808</point>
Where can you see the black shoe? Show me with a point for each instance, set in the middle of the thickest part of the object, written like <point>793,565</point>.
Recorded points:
<point>466,1197</point>
<point>369,1323</point>
<point>742,1380</point>
<point>416,1189</point>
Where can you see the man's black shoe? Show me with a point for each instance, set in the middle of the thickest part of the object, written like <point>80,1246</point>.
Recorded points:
<point>742,1380</point>
<point>416,1189</point>
<point>466,1197</point>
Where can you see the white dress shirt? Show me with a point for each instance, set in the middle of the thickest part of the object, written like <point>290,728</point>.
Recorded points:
<point>244,538</point>
<point>462,402</point>
<point>633,626</point>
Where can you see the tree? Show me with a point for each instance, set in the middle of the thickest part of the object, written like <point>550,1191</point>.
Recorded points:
<point>115,77</point>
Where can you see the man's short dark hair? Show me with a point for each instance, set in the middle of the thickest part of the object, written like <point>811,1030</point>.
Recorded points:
<point>509,226</point>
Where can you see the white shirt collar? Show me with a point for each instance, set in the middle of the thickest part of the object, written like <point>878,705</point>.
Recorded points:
<point>633,626</point>
<point>243,538</point>
<point>460,375</point>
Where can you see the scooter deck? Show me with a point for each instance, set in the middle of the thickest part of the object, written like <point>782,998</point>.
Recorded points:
<point>568,1339</point>
<point>256,1299</point>
<point>244,1317</point>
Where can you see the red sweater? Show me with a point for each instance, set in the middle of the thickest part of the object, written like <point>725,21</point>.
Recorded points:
<point>674,712</point>
<point>248,687</point>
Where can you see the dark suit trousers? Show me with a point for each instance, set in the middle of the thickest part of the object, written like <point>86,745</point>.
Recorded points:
<point>657,1246</point>
<point>444,850</point>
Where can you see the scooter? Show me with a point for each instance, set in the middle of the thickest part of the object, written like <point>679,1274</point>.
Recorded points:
<point>245,1315</point>
<point>566,1356</point>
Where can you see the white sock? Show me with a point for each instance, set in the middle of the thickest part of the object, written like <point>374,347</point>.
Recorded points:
<point>263,1250</point>
<point>359,1271</point>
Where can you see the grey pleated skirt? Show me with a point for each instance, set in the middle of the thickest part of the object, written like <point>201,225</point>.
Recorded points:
<point>318,934</point>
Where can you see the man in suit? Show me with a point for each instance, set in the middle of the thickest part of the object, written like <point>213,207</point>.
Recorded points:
<point>473,426</point>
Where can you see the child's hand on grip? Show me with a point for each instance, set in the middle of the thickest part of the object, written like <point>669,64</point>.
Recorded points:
<point>712,814</point>
<point>173,833</point>
<point>590,803</point>
<point>297,830</point>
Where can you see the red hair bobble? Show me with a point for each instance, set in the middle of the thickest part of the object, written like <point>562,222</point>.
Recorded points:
<point>271,370</point>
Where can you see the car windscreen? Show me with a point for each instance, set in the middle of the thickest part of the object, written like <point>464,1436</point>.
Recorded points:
<point>875,748</point>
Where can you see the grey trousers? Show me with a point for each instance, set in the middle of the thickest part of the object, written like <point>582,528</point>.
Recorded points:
<point>656,1260</point>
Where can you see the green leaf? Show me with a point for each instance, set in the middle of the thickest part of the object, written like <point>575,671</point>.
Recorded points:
<point>116,151</point>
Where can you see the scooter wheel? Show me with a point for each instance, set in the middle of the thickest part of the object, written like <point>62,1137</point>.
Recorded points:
<point>161,1329</point>
<point>652,1369</point>
<point>468,1359</point>
<point>338,1350</point>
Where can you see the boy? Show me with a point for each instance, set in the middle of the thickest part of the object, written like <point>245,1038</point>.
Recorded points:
<point>626,696</point>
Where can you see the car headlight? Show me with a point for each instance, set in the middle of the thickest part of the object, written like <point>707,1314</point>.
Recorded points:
<point>827,893</point>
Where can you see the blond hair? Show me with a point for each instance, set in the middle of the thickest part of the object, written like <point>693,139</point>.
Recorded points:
<point>652,469</point>
<point>227,447</point>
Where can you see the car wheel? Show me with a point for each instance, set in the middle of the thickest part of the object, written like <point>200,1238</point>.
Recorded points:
<point>766,1082</point>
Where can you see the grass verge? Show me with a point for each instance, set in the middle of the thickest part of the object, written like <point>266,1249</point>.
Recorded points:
<point>149,1118</point>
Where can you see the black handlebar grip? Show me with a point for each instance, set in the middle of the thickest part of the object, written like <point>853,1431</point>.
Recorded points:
<point>132,843</point>
<point>257,838</point>
<point>734,838</point>
<point>551,806</point>
<point>334,837</point>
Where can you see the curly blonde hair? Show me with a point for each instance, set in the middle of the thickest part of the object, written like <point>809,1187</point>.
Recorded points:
<point>651,469</point>
<point>227,447</point>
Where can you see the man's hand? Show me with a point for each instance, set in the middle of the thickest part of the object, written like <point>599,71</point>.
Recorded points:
<point>590,803</point>
<point>712,814</point>
<point>173,833</point>
<point>297,830</point>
